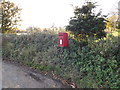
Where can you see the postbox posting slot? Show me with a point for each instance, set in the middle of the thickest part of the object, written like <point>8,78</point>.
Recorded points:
<point>60,35</point>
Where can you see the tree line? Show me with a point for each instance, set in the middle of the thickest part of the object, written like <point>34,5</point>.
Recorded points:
<point>85,22</point>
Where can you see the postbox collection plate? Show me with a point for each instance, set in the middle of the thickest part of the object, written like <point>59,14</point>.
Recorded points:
<point>62,39</point>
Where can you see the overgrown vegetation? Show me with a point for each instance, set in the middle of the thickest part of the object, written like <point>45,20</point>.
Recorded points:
<point>92,65</point>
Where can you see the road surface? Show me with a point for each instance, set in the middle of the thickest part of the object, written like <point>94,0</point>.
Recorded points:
<point>16,76</point>
<point>0,73</point>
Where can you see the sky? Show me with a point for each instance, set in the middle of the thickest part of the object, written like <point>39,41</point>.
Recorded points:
<point>57,13</point>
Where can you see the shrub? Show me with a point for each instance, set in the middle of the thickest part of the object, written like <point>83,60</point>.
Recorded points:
<point>95,62</point>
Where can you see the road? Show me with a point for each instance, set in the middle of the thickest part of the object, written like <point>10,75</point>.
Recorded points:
<point>0,73</point>
<point>0,61</point>
<point>16,76</point>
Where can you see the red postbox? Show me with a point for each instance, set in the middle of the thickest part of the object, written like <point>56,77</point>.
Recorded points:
<point>62,39</point>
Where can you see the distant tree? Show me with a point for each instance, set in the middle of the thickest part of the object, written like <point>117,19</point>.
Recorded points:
<point>118,21</point>
<point>111,22</point>
<point>86,23</point>
<point>10,17</point>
